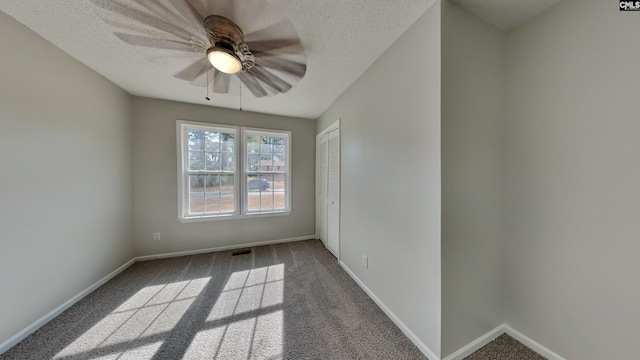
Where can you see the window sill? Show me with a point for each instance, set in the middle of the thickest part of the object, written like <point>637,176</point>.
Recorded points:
<point>193,219</point>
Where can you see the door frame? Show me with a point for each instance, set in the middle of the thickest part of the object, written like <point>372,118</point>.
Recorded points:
<point>326,131</point>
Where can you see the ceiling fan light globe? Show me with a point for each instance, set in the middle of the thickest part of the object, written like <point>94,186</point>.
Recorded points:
<point>224,60</point>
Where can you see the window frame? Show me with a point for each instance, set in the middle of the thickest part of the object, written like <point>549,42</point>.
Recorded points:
<point>247,131</point>
<point>240,157</point>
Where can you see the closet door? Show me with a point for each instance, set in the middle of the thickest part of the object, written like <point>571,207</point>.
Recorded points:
<point>321,193</point>
<point>333,192</point>
<point>328,188</point>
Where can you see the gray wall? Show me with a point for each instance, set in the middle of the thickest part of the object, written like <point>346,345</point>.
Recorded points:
<point>573,144</point>
<point>156,189</point>
<point>66,183</point>
<point>390,177</point>
<point>473,84</point>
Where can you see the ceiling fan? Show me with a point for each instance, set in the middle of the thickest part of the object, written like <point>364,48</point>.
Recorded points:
<point>210,47</point>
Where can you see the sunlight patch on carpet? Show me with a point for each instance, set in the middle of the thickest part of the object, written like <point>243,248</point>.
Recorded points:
<point>250,306</point>
<point>153,310</point>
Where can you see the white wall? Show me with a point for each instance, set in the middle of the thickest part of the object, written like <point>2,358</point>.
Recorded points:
<point>573,145</point>
<point>156,189</point>
<point>473,80</point>
<point>66,181</point>
<point>390,177</point>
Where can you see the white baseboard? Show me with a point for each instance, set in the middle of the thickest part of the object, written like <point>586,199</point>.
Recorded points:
<point>504,329</point>
<point>458,355</point>
<point>223,248</point>
<point>12,341</point>
<point>532,344</point>
<point>422,346</point>
<point>9,343</point>
<point>476,344</point>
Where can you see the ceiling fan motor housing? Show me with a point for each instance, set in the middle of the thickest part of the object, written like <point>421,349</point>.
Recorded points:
<point>223,32</point>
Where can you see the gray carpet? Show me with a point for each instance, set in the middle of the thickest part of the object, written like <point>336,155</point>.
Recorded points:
<point>288,301</point>
<point>504,347</point>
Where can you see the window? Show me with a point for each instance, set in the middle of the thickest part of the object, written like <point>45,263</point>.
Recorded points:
<point>266,171</point>
<point>213,158</point>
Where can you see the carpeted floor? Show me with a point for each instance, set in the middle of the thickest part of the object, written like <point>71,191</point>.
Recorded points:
<point>504,347</point>
<point>287,301</point>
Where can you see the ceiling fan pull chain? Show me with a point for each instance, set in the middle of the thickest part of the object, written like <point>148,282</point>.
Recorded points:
<point>240,95</point>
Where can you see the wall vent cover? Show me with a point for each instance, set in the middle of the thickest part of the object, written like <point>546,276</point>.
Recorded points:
<point>241,252</point>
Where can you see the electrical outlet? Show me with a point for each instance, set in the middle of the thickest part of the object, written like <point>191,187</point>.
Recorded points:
<point>156,236</point>
<point>365,261</point>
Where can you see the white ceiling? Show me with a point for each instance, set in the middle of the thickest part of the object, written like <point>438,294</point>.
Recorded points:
<point>342,38</point>
<point>506,14</point>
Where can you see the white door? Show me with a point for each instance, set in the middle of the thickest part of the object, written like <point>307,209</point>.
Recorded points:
<point>321,218</point>
<point>328,188</point>
<point>333,192</point>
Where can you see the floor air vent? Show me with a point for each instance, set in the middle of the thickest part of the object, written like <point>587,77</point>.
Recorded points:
<point>241,252</point>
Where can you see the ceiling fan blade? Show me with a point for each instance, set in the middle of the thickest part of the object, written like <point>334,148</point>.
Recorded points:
<point>151,42</point>
<point>283,28</point>
<point>252,84</point>
<point>201,78</point>
<point>161,11</point>
<point>188,11</point>
<point>142,17</point>
<point>270,79</point>
<point>192,71</point>
<point>285,46</point>
<point>221,82</point>
<point>294,68</point>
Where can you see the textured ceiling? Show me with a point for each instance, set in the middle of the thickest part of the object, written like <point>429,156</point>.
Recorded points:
<point>341,39</point>
<point>506,14</point>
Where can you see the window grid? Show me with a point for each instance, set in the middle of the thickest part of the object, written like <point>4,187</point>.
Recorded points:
<point>209,174</point>
<point>266,160</point>
<point>210,168</point>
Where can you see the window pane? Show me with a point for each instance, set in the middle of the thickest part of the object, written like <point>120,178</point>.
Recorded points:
<point>255,185</point>
<point>266,193</point>
<point>279,188</point>
<point>266,197</point>
<point>219,195</point>
<point>212,161</point>
<point>196,160</point>
<point>266,162</point>
<point>253,144</point>
<point>266,201</point>
<point>196,194</point>
<point>228,142</point>
<point>253,161</point>
<point>227,193</point>
<point>279,163</point>
<point>265,147</point>
<point>196,140</point>
<point>212,184</point>
<point>212,141</point>
<point>213,203</point>
<point>227,162</point>
<point>212,194</point>
<point>279,149</point>
<point>196,203</point>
